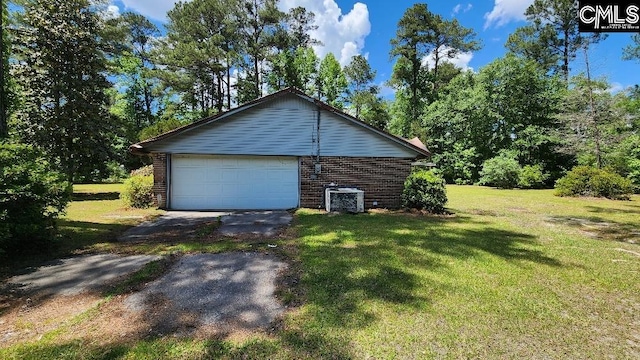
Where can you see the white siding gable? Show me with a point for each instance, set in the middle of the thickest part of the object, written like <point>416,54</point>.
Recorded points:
<point>283,126</point>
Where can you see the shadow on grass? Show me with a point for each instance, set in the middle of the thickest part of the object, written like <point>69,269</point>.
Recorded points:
<point>73,236</point>
<point>599,228</point>
<point>351,268</point>
<point>468,243</point>
<point>83,233</point>
<point>66,350</point>
<point>95,196</point>
<point>605,210</point>
<point>290,344</point>
<point>350,261</point>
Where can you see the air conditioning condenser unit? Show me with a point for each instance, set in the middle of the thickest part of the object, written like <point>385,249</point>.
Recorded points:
<point>344,199</point>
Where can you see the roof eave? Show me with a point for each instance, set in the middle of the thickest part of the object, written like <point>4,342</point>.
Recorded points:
<point>137,149</point>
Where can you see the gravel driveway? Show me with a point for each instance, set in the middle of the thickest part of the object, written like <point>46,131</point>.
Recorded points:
<point>75,275</point>
<point>231,291</point>
<point>216,292</point>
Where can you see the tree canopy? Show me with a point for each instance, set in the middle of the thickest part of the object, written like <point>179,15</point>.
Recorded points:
<point>96,83</point>
<point>421,34</point>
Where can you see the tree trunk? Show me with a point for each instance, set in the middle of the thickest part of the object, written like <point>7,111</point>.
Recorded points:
<point>436,62</point>
<point>256,68</point>
<point>68,156</point>
<point>592,113</point>
<point>565,65</point>
<point>147,103</point>
<point>228,84</point>
<point>219,93</point>
<point>3,94</point>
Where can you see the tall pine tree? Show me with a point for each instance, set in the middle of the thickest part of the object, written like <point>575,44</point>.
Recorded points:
<point>6,98</point>
<point>421,34</point>
<point>60,71</point>
<point>552,37</point>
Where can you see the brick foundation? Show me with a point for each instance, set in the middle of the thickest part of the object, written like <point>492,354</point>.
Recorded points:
<point>382,179</point>
<point>160,180</point>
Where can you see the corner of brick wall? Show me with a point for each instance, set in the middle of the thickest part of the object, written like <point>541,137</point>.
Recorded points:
<point>381,179</point>
<point>160,180</point>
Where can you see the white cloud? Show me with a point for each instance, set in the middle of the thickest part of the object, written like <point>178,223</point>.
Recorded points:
<point>505,11</point>
<point>154,9</point>
<point>342,34</point>
<point>108,12</point>
<point>461,60</point>
<point>112,12</point>
<point>616,87</point>
<point>461,8</point>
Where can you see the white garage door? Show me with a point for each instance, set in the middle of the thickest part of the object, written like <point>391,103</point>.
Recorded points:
<point>233,182</point>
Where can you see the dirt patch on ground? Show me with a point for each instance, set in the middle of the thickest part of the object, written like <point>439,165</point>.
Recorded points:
<point>114,323</point>
<point>409,212</point>
<point>598,229</point>
<point>59,293</point>
<point>31,318</point>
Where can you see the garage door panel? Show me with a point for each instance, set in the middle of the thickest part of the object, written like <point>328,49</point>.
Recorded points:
<point>213,175</point>
<point>182,177</point>
<point>233,182</point>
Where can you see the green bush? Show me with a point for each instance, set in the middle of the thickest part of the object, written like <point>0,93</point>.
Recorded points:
<point>611,186</point>
<point>32,196</point>
<point>532,177</point>
<point>143,171</point>
<point>159,128</point>
<point>138,191</point>
<point>424,190</point>
<point>633,161</point>
<point>576,182</point>
<point>634,173</point>
<point>458,165</point>
<point>589,181</point>
<point>116,173</point>
<point>501,171</point>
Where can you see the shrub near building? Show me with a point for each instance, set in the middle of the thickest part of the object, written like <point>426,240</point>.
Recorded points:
<point>138,189</point>
<point>424,190</point>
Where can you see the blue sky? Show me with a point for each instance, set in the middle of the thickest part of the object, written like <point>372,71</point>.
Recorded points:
<point>348,27</point>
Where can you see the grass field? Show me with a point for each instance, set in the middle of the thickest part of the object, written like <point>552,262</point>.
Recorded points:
<point>511,274</point>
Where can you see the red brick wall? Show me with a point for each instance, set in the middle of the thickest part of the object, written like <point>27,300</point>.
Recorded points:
<point>160,180</point>
<point>382,179</point>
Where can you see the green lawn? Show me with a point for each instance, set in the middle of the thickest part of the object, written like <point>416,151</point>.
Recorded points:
<point>96,216</point>
<point>92,222</point>
<point>512,274</point>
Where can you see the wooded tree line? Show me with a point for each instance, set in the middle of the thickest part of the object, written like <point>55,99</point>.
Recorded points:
<point>527,110</point>
<point>82,84</point>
